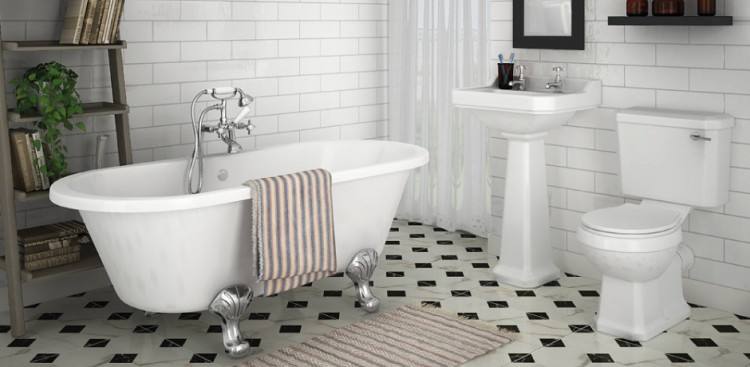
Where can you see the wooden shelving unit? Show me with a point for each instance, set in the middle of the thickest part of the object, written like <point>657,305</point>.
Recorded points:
<point>89,260</point>
<point>89,110</point>
<point>11,262</point>
<point>673,21</point>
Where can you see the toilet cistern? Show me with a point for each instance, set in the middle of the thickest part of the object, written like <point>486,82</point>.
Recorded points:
<point>524,118</point>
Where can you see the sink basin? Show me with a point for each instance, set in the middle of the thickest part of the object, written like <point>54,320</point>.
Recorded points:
<point>532,111</point>
<point>524,118</point>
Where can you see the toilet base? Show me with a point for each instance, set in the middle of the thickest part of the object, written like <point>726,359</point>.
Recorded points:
<point>642,310</point>
<point>524,279</point>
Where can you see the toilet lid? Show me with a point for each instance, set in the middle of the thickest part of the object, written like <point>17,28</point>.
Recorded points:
<point>632,219</point>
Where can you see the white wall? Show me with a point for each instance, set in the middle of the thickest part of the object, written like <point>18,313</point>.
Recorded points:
<point>704,68</point>
<point>316,68</point>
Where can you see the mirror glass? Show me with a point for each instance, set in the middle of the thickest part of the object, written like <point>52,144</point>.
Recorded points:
<point>548,18</point>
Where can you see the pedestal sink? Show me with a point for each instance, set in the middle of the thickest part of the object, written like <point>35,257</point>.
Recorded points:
<point>525,118</point>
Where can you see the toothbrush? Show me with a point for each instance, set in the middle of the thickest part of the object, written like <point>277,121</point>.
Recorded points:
<point>512,57</point>
<point>501,58</point>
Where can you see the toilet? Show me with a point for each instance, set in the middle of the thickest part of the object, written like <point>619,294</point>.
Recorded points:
<point>672,161</point>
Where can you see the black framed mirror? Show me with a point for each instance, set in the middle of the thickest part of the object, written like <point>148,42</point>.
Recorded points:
<point>549,24</point>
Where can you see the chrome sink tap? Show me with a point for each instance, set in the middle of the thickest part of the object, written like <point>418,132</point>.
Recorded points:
<point>520,82</point>
<point>557,83</point>
<point>226,130</point>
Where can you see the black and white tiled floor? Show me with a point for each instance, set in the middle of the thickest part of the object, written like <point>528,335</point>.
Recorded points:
<point>420,264</point>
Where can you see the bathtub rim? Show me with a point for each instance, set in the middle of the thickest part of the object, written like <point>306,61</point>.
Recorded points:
<point>62,194</point>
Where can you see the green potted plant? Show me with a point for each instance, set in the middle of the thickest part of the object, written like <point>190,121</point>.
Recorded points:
<point>50,90</point>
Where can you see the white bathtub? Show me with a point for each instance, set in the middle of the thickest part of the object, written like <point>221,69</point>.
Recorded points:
<point>168,252</point>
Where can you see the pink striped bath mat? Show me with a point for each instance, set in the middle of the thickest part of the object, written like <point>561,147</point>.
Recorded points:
<point>407,336</point>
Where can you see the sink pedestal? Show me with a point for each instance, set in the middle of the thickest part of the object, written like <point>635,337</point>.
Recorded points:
<point>526,259</point>
<point>524,118</point>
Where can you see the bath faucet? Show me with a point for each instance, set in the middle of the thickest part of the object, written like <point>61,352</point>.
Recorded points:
<point>557,83</point>
<point>225,129</point>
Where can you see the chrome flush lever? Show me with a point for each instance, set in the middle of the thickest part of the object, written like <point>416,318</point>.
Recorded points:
<point>699,137</point>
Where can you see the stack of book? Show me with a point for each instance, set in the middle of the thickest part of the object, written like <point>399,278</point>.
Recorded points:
<point>51,245</point>
<point>89,22</point>
<point>27,158</point>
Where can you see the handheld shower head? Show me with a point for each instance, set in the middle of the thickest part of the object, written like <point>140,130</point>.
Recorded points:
<point>245,99</point>
<point>243,114</point>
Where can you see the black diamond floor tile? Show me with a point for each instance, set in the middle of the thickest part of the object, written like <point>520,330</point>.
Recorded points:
<point>537,316</point>
<point>145,329</point>
<point>497,304</point>
<point>96,343</point>
<point>259,316</point>
<point>726,329</point>
<point>123,358</point>
<point>703,342</point>
<point>120,316</point>
<point>44,358</point>
<point>680,358</point>
<point>565,304</point>
<point>190,316</point>
<point>600,358</point>
<point>21,343</point>
<point>50,316</point>
<point>552,343</point>
<point>589,293</point>
<point>329,316</point>
<point>434,304</point>
<point>172,343</point>
<point>521,357</point>
<point>296,304</point>
<point>625,343</point>
<point>581,328</point>
<point>72,329</point>
<point>511,328</point>
<point>293,329</point>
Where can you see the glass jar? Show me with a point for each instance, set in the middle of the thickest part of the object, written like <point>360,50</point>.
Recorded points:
<point>707,7</point>
<point>637,8</point>
<point>669,7</point>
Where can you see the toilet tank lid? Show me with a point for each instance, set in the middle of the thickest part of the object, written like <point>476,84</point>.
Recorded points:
<point>676,118</point>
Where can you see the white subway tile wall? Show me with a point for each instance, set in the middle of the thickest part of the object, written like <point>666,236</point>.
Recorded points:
<point>318,70</point>
<point>702,68</point>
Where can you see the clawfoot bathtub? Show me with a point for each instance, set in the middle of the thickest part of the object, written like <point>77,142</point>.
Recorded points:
<point>168,252</point>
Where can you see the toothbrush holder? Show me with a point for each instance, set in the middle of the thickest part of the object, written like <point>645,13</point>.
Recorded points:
<point>505,75</point>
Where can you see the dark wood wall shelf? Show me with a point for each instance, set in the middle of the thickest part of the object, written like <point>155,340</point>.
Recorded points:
<point>672,21</point>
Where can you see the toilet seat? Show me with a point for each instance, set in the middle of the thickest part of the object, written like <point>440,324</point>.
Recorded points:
<point>632,220</point>
<point>632,228</point>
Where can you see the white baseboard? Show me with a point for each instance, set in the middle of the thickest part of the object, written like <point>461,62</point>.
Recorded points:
<point>696,292</point>
<point>58,287</point>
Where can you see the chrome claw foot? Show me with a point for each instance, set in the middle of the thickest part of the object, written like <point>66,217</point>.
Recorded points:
<point>231,305</point>
<point>360,270</point>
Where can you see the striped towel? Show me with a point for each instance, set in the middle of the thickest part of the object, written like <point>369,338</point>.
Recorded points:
<point>293,229</point>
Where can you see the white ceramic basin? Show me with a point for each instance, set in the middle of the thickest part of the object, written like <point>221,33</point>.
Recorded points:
<point>532,111</point>
<point>524,118</point>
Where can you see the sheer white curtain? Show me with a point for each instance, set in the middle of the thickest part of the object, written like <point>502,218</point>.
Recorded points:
<point>436,46</point>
